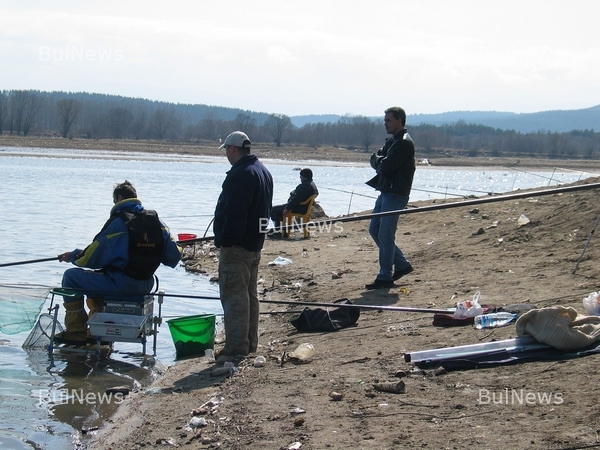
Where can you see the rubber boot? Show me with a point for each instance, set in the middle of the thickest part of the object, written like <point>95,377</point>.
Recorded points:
<point>95,305</point>
<point>75,324</point>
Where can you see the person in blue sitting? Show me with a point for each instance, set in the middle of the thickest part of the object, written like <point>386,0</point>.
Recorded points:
<point>123,257</point>
<point>306,189</point>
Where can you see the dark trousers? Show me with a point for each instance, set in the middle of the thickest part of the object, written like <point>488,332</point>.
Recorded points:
<point>277,216</point>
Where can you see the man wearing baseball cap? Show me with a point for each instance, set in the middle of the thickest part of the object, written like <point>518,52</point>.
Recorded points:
<point>241,220</point>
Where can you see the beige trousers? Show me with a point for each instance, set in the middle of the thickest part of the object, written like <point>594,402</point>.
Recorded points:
<point>238,275</point>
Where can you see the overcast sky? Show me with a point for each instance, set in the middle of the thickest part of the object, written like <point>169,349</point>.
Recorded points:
<point>311,57</point>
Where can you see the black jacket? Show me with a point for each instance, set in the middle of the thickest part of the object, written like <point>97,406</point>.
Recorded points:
<point>244,206</point>
<point>394,164</point>
<point>302,192</point>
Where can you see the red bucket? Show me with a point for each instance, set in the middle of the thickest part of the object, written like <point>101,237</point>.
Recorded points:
<point>186,236</point>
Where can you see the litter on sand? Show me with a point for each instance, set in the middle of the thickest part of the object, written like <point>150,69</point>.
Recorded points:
<point>280,261</point>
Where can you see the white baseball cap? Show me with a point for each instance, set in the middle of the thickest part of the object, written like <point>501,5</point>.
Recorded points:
<point>238,139</point>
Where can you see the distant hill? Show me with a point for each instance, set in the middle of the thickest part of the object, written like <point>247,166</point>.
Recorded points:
<point>546,121</point>
<point>559,121</point>
<point>300,121</point>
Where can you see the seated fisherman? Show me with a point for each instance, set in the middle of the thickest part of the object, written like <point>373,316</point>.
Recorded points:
<point>124,256</point>
<point>303,191</point>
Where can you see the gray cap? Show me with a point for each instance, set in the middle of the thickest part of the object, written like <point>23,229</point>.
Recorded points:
<point>238,139</point>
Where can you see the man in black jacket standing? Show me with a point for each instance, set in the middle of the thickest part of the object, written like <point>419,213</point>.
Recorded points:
<point>395,167</point>
<point>241,220</point>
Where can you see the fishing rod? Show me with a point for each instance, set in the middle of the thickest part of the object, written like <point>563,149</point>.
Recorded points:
<point>30,261</point>
<point>438,207</point>
<point>354,305</point>
<point>472,202</point>
<point>262,313</point>
<point>99,292</point>
<point>325,305</point>
<point>55,258</point>
<point>329,305</point>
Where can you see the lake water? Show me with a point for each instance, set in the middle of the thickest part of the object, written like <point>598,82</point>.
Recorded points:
<point>56,200</point>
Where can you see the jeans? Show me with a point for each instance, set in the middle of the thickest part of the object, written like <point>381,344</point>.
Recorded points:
<point>383,232</point>
<point>238,275</point>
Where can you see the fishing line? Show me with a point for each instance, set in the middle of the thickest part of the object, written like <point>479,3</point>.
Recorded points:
<point>423,190</point>
<point>551,178</point>
<point>209,224</point>
<point>348,192</point>
<point>581,173</point>
<point>444,193</point>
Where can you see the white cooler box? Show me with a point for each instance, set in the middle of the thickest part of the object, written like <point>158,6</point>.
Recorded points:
<point>118,325</point>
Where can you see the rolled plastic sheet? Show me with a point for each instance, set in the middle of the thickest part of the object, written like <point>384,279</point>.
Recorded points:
<point>519,344</point>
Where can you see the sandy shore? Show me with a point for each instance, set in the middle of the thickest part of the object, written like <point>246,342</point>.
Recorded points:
<point>333,401</point>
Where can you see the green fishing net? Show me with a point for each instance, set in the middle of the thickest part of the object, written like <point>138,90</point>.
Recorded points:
<point>20,305</point>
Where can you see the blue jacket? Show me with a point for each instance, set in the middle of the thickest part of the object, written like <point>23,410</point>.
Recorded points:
<point>244,206</point>
<point>110,249</point>
<point>395,165</point>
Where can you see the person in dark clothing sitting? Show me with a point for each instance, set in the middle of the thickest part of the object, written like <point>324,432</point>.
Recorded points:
<point>303,191</point>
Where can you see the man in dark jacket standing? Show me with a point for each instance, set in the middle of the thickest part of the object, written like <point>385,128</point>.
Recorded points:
<point>241,221</point>
<point>395,167</point>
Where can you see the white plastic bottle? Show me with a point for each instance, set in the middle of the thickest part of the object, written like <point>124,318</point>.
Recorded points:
<point>494,320</point>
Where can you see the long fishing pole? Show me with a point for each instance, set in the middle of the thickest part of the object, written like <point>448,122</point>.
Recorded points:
<point>437,207</point>
<point>464,203</point>
<point>330,305</point>
<point>354,305</point>
<point>325,305</point>
<point>55,258</point>
<point>30,261</point>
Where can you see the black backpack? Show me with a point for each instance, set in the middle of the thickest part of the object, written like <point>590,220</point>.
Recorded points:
<point>328,318</point>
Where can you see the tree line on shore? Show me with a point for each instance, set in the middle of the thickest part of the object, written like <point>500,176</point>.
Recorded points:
<point>100,116</point>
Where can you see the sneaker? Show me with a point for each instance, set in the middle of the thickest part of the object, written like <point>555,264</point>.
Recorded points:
<point>380,284</point>
<point>400,273</point>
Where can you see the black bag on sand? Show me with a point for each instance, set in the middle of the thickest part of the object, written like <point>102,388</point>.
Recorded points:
<point>328,318</point>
